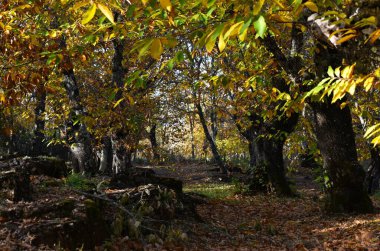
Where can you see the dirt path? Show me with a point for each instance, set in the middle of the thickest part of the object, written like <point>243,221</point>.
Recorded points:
<point>264,222</point>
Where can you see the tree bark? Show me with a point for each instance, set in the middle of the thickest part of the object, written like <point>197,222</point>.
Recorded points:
<point>154,143</point>
<point>192,138</point>
<point>334,132</point>
<point>39,147</point>
<point>105,165</point>
<point>120,154</point>
<point>373,174</point>
<point>269,171</point>
<point>214,149</point>
<point>81,145</point>
<point>336,141</point>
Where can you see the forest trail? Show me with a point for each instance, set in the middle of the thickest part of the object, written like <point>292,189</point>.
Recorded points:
<point>265,222</point>
<point>224,220</point>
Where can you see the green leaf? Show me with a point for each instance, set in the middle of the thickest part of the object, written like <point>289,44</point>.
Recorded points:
<point>144,47</point>
<point>51,59</point>
<point>89,14</point>
<point>104,9</point>
<point>260,27</point>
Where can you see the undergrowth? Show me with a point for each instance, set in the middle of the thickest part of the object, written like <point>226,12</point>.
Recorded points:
<point>212,190</point>
<point>79,182</point>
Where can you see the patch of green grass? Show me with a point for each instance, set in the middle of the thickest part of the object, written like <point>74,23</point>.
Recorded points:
<point>79,182</point>
<point>212,190</point>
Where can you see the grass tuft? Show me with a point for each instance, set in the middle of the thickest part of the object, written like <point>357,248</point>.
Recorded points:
<point>212,190</point>
<point>79,182</point>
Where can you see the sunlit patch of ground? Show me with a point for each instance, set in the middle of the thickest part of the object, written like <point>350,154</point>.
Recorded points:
<point>265,222</point>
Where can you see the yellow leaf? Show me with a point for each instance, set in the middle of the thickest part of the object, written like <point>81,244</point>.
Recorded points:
<point>337,72</point>
<point>78,5</point>
<point>351,89</point>
<point>376,141</point>
<point>377,72</point>
<point>221,43</point>
<point>311,6</point>
<point>258,6</point>
<point>166,4</point>
<point>374,36</point>
<point>156,49</point>
<point>118,102</point>
<point>2,98</point>
<point>53,34</point>
<point>104,9</point>
<point>131,100</point>
<point>368,83</point>
<point>371,131</point>
<point>210,42</point>
<point>243,35</point>
<point>64,2</point>
<point>280,4</point>
<point>348,71</point>
<point>346,38</point>
<point>233,30</point>
<point>89,14</point>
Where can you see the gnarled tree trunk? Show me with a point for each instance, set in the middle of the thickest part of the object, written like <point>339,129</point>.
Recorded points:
<point>336,141</point>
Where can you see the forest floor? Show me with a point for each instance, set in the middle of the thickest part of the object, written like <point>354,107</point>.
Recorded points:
<point>265,222</point>
<point>227,219</point>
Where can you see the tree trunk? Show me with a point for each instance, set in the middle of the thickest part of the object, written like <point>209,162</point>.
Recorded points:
<point>373,173</point>
<point>269,171</point>
<point>213,118</point>
<point>336,141</point>
<point>154,143</point>
<point>81,147</point>
<point>192,138</point>
<point>119,161</point>
<point>105,165</point>
<point>120,154</point>
<point>334,131</point>
<point>39,147</point>
<point>252,156</point>
<point>214,149</point>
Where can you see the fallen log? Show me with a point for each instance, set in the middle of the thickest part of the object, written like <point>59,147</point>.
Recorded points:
<point>138,177</point>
